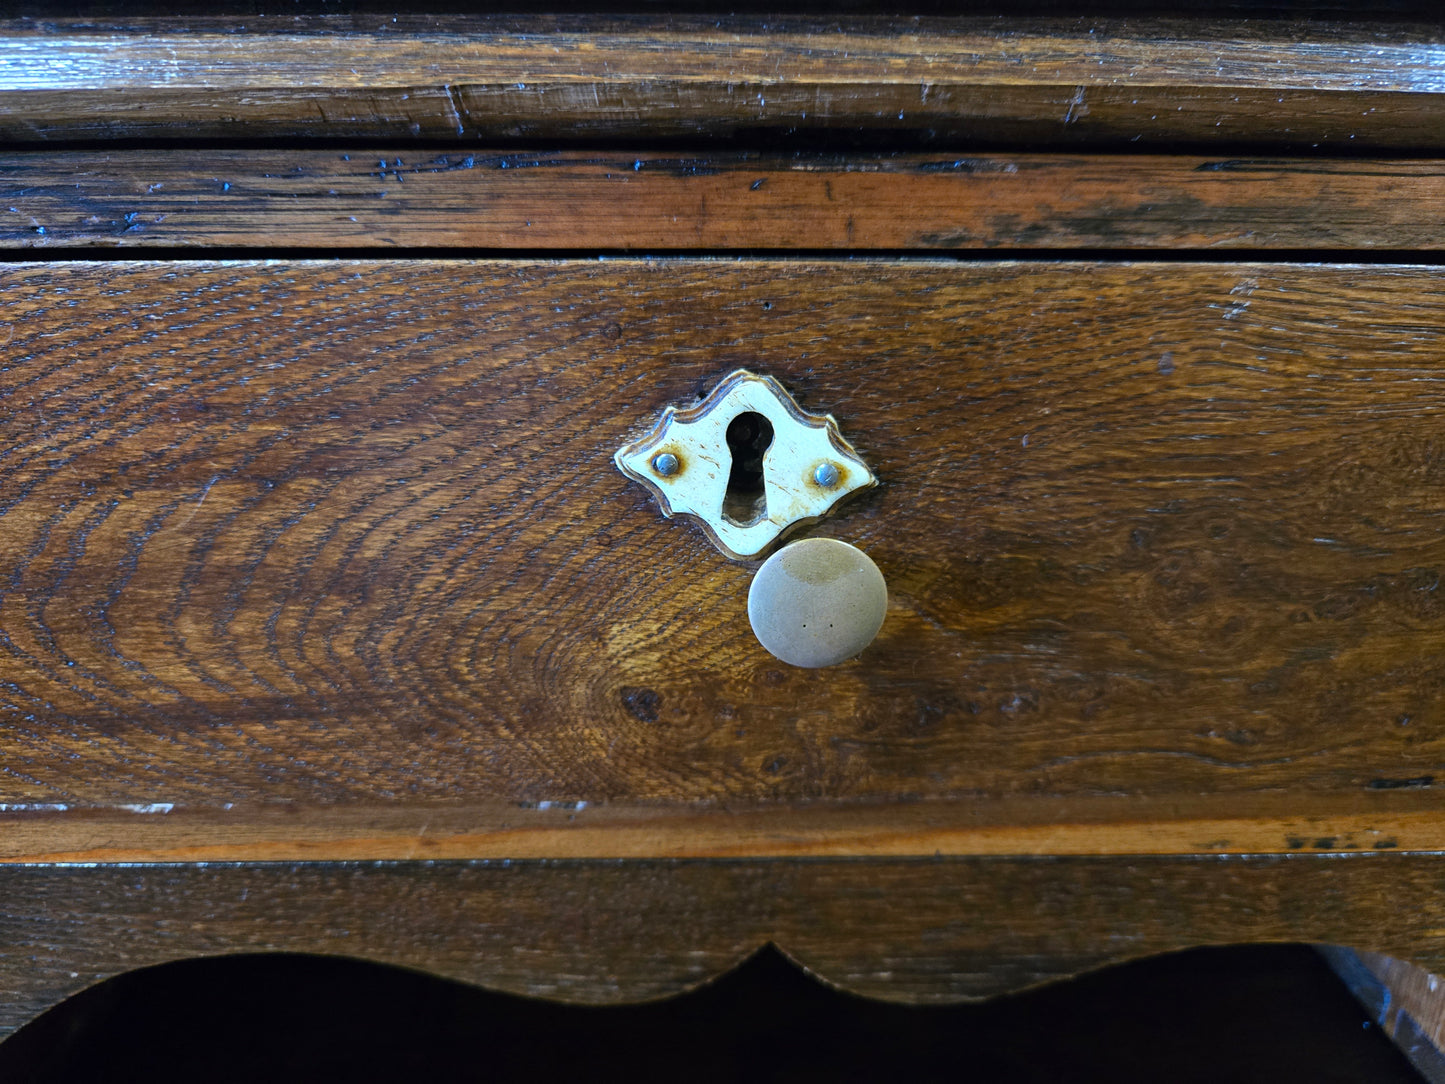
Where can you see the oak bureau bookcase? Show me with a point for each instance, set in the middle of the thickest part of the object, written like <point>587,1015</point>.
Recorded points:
<point>328,622</point>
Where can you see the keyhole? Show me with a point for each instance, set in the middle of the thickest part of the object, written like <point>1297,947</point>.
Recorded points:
<point>746,501</point>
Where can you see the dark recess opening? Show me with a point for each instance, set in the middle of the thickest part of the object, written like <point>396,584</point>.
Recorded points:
<point>749,435</point>
<point>1261,1014</point>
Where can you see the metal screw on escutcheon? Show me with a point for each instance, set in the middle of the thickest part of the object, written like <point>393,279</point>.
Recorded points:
<point>826,475</point>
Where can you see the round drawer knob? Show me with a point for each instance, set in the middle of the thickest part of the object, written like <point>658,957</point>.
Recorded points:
<point>817,602</point>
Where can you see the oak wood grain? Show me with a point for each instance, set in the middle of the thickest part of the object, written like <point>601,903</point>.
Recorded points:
<point>1123,82</point>
<point>920,930</point>
<point>608,200</point>
<point>347,532</point>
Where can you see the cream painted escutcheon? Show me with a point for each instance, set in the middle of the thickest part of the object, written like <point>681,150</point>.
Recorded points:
<point>747,463</point>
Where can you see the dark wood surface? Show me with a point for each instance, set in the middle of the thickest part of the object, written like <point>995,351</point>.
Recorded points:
<point>1127,83</point>
<point>324,533</point>
<point>571,200</point>
<point>918,930</point>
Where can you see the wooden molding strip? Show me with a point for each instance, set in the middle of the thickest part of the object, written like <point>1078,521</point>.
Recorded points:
<point>1304,83</point>
<point>360,51</point>
<point>576,200</point>
<point>162,833</point>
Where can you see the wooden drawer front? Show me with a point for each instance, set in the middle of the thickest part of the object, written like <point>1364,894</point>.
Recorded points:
<point>349,532</point>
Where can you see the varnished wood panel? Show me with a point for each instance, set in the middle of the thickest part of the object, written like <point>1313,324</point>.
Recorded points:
<point>923,930</point>
<point>574,200</point>
<point>1121,82</point>
<point>324,532</point>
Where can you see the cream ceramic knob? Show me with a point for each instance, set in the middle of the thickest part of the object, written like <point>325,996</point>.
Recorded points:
<point>817,602</point>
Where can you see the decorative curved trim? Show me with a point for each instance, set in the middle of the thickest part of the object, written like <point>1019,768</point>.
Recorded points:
<point>907,930</point>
